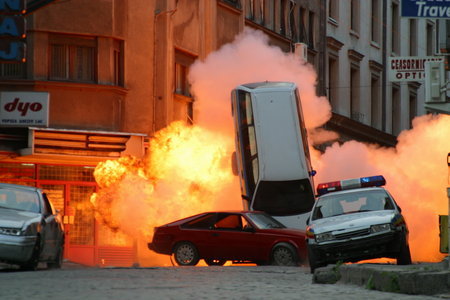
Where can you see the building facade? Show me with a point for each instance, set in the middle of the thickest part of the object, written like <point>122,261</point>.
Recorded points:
<point>115,72</point>
<point>112,77</point>
<point>361,37</point>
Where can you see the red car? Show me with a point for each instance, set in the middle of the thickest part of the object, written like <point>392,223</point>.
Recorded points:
<point>240,237</point>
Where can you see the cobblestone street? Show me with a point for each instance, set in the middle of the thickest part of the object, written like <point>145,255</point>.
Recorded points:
<point>232,282</point>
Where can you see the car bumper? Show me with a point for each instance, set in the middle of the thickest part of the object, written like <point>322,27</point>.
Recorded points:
<point>386,245</point>
<point>16,249</point>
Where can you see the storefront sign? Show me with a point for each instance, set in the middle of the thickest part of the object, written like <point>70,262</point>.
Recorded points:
<point>426,8</point>
<point>409,68</point>
<point>24,108</point>
<point>12,31</point>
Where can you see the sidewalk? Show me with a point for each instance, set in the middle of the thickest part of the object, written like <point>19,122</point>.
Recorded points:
<point>415,279</point>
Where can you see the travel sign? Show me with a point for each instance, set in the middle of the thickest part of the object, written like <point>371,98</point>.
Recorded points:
<point>425,9</point>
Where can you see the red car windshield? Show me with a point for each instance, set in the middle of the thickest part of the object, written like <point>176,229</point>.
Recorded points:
<point>263,221</point>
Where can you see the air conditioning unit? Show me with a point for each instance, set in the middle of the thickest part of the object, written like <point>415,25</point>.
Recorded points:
<point>301,51</point>
<point>435,82</point>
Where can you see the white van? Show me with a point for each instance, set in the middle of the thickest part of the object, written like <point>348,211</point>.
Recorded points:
<point>272,157</point>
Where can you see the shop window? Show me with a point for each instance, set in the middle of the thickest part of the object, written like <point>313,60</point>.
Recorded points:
<point>82,230</point>
<point>72,59</point>
<point>16,171</point>
<point>66,173</point>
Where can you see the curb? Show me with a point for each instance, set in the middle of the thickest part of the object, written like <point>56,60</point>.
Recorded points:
<point>415,279</point>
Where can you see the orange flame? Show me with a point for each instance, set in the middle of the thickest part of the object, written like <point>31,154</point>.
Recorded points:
<point>185,172</point>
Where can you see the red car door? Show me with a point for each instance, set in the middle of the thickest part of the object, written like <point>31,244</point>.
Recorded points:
<point>233,239</point>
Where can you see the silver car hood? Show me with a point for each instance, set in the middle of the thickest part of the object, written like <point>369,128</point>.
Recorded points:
<point>12,218</point>
<point>354,221</point>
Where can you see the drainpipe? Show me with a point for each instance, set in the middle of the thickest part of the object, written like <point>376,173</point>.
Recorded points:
<point>384,61</point>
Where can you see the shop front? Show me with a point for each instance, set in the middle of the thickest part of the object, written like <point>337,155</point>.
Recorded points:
<point>62,163</point>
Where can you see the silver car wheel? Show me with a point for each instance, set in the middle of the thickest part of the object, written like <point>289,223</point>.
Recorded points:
<point>283,255</point>
<point>186,254</point>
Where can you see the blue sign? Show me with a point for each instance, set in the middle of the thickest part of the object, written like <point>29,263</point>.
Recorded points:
<point>426,9</point>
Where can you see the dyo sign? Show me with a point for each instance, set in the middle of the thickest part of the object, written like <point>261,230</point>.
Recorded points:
<point>21,109</point>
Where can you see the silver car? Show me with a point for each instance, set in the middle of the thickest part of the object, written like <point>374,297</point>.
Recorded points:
<point>30,229</point>
<point>354,224</point>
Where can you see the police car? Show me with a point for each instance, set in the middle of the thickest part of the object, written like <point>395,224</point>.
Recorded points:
<point>353,220</point>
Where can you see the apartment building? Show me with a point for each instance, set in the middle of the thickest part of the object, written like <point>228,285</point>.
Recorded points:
<point>361,36</point>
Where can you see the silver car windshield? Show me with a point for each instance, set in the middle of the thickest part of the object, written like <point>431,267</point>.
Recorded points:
<point>263,221</point>
<point>19,200</point>
<point>360,201</point>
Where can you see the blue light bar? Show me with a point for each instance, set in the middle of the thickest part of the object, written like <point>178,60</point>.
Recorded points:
<point>347,184</point>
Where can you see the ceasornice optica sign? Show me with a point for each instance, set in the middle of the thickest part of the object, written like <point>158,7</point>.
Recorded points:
<point>426,8</point>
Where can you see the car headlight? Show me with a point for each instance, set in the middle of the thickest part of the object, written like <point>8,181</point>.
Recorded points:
<point>323,237</point>
<point>380,228</point>
<point>10,231</point>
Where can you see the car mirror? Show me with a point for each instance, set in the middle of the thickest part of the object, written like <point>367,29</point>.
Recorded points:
<point>249,229</point>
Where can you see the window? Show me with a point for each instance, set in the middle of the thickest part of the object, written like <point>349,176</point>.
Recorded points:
<point>376,21</point>
<point>302,32</point>
<point>235,3</point>
<point>412,37</point>
<point>311,21</point>
<point>268,8</point>
<point>354,15</point>
<point>248,136</point>
<point>283,19</point>
<point>285,197</point>
<point>412,103</point>
<point>430,40</point>
<point>375,111</point>
<point>12,70</point>
<point>183,101</point>
<point>396,110</point>
<point>333,10</point>
<point>333,80</point>
<point>292,27</point>
<point>250,9</point>
<point>395,37</point>
<point>118,67</point>
<point>355,95</point>
<point>72,59</point>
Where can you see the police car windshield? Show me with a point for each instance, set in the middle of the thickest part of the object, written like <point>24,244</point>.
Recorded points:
<point>334,204</point>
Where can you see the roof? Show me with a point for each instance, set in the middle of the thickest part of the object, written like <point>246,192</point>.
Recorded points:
<point>20,187</point>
